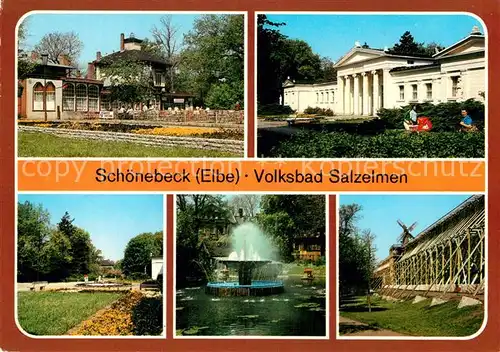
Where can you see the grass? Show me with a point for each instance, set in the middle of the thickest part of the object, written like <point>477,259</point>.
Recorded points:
<point>416,319</point>
<point>33,144</point>
<point>298,269</point>
<point>54,313</point>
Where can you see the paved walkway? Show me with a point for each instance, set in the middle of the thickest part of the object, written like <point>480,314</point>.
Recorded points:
<point>364,329</point>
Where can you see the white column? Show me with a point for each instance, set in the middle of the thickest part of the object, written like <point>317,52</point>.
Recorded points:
<point>366,107</point>
<point>376,98</point>
<point>339,97</point>
<point>356,94</point>
<point>435,90</point>
<point>347,96</point>
<point>386,92</point>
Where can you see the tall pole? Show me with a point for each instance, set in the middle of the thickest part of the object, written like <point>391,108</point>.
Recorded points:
<point>44,93</point>
<point>370,278</point>
<point>44,63</point>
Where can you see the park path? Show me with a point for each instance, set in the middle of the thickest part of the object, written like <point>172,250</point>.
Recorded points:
<point>368,332</point>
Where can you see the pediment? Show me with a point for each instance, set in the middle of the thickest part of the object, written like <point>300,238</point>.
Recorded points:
<point>288,83</point>
<point>358,55</point>
<point>468,45</point>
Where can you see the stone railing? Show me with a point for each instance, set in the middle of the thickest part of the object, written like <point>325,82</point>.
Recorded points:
<point>227,145</point>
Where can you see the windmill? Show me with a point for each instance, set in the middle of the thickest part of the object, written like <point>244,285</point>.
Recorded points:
<point>406,235</point>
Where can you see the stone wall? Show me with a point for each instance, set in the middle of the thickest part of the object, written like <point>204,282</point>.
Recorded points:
<point>183,116</point>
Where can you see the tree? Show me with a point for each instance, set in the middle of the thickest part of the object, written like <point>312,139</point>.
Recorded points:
<point>33,232</point>
<point>329,73</point>
<point>57,44</point>
<point>194,249</point>
<point>408,46</point>
<point>356,252</point>
<point>24,63</point>
<point>60,253</point>
<point>248,202</point>
<point>213,54</point>
<point>131,81</point>
<point>432,48</point>
<point>294,217</point>
<point>224,96</point>
<point>165,37</point>
<point>139,251</point>
<point>279,58</point>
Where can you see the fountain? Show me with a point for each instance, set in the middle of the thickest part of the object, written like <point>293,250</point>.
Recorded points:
<point>250,247</point>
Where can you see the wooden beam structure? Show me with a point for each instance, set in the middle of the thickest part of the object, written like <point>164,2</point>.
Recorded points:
<point>448,256</point>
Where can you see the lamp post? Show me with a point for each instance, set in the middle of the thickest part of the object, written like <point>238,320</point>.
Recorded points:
<point>44,63</point>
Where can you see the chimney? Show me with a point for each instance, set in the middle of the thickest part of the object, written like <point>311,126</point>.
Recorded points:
<point>98,56</point>
<point>90,71</point>
<point>122,44</point>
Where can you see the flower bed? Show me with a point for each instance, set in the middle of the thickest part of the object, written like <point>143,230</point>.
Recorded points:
<point>187,131</point>
<point>122,318</point>
<point>116,320</point>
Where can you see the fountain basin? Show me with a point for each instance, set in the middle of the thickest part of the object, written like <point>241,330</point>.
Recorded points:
<point>234,288</point>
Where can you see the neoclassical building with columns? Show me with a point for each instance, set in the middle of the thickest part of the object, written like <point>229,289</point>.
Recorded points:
<point>370,79</point>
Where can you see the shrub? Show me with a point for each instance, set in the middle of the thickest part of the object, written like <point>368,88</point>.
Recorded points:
<point>320,261</point>
<point>391,144</point>
<point>318,111</point>
<point>147,317</point>
<point>138,276</point>
<point>274,109</point>
<point>445,117</point>
<point>224,96</point>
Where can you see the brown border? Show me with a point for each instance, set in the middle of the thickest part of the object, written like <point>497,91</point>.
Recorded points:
<point>13,340</point>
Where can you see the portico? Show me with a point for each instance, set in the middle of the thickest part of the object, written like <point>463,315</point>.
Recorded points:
<point>370,79</point>
<point>360,93</point>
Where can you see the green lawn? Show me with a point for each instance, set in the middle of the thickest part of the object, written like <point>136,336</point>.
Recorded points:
<point>33,144</point>
<point>415,319</point>
<point>54,313</point>
<point>298,269</point>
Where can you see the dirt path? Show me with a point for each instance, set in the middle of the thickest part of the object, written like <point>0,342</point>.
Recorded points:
<point>356,328</point>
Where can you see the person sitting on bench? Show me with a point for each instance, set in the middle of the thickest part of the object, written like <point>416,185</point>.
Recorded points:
<point>409,123</point>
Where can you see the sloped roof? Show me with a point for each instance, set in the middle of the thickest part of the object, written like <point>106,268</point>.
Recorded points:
<point>414,67</point>
<point>131,55</point>
<point>375,53</point>
<point>461,42</point>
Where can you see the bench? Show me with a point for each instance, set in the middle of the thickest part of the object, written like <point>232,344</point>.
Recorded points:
<point>40,284</point>
<point>295,120</point>
<point>308,274</point>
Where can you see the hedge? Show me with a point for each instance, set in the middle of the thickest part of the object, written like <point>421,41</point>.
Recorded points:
<point>318,111</point>
<point>274,109</point>
<point>390,144</point>
<point>445,117</point>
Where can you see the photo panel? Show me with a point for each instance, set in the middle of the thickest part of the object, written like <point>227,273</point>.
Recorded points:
<point>370,85</point>
<point>91,265</point>
<point>131,84</point>
<point>412,266</point>
<point>252,266</point>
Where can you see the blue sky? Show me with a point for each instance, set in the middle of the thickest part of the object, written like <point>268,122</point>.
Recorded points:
<point>101,32</point>
<point>334,35</point>
<point>379,213</point>
<point>111,220</point>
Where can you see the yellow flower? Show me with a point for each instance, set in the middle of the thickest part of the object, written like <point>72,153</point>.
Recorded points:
<point>175,131</point>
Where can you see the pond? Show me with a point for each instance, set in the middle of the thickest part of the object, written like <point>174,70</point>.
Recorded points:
<point>299,311</point>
